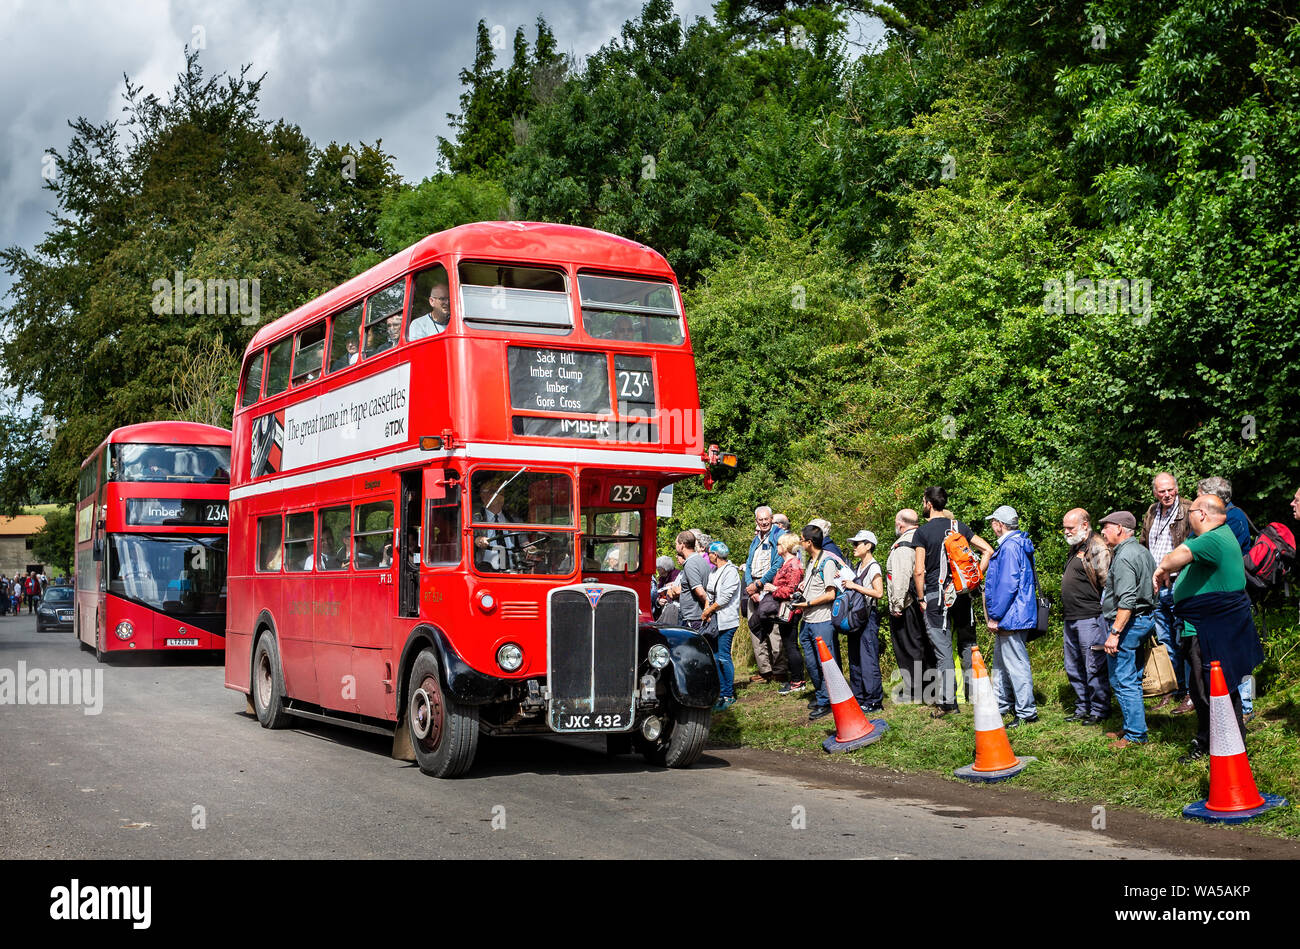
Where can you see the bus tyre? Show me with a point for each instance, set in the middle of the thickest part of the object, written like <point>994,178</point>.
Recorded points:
<point>268,684</point>
<point>682,742</point>
<point>444,733</point>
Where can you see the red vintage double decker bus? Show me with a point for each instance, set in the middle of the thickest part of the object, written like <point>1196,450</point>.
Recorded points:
<point>152,516</point>
<point>443,509</point>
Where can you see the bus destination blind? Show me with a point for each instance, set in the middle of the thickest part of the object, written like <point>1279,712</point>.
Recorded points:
<point>558,381</point>
<point>176,512</point>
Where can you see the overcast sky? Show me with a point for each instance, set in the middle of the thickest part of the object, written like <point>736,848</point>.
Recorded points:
<point>343,70</point>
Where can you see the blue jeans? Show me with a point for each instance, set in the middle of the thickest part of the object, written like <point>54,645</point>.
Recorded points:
<point>1169,630</point>
<point>1126,677</point>
<point>1013,682</point>
<point>1085,667</point>
<point>726,668</point>
<point>808,643</point>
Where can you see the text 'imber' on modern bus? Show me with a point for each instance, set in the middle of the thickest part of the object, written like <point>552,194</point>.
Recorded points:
<point>152,517</point>
<point>444,495</point>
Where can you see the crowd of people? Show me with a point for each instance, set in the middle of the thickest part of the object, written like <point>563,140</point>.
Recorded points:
<point>1177,581</point>
<point>22,589</point>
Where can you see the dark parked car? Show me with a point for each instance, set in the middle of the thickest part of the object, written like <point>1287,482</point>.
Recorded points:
<point>55,611</point>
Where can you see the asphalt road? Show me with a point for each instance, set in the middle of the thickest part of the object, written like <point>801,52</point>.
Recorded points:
<point>172,767</point>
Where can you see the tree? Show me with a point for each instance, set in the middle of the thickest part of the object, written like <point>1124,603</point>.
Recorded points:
<point>180,228</point>
<point>53,544</point>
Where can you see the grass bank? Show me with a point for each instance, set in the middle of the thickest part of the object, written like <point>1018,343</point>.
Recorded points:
<point>1074,761</point>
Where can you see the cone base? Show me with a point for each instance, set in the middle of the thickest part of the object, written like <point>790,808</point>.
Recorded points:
<point>878,728</point>
<point>969,773</point>
<point>1199,811</point>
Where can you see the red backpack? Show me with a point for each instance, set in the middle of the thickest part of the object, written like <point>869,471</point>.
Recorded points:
<point>1270,560</point>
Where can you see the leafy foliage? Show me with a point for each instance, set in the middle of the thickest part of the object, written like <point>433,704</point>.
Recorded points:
<point>53,543</point>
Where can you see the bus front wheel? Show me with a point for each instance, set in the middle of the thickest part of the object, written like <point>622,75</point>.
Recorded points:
<point>683,742</point>
<point>444,733</point>
<point>268,684</point>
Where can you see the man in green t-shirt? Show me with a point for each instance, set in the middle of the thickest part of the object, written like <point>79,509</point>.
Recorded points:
<point>1210,570</point>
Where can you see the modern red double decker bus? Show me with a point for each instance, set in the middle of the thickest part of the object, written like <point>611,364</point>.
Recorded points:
<point>444,497</point>
<point>152,517</point>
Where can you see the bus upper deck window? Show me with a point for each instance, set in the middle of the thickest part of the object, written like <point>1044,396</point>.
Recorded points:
<point>253,379</point>
<point>505,296</point>
<point>345,338</point>
<point>430,303</point>
<point>309,354</point>
<point>277,376</point>
<point>630,309</point>
<point>384,318</point>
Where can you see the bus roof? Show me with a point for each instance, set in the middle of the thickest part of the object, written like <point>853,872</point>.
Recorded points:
<point>520,241</point>
<point>164,433</point>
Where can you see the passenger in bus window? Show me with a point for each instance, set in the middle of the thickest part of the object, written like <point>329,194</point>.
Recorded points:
<point>351,356</point>
<point>439,315</point>
<point>626,329</point>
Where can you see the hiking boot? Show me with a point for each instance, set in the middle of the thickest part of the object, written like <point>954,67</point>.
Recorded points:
<point>1017,722</point>
<point>1121,743</point>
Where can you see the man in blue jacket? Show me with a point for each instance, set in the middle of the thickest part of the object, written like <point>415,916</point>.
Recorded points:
<point>1011,601</point>
<point>760,567</point>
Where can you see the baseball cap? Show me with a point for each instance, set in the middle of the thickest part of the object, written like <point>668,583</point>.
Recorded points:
<point>1121,519</point>
<point>869,537</point>
<point>1006,514</point>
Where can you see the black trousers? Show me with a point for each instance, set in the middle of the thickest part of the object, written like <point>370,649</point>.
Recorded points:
<point>1198,687</point>
<point>912,651</point>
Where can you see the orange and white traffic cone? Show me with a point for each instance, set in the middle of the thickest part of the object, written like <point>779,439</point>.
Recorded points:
<point>994,760</point>
<point>1234,798</point>
<point>852,728</point>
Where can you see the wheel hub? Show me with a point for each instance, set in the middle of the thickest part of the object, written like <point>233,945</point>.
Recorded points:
<point>426,712</point>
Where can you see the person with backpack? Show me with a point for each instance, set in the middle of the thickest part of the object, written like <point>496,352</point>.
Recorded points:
<point>1210,598</point>
<point>1011,604</point>
<point>821,581</point>
<point>912,651</point>
<point>861,620</point>
<point>760,567</point>
<point>1082,584</point>
<point>938,578</point>
<point>724,593</point>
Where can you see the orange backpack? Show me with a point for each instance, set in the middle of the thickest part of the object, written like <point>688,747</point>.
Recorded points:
<point>963,565</point>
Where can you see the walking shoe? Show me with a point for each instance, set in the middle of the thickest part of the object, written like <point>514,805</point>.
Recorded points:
<point>818,711</point>
<point>786,688</point>
<point>1121,743</point>
<point>1078,717</point>
<point>873,708</point>
<point>1194,753</point>
<point>725,703</point>
<point>1093,719</point>
<point>797,685</point>
<point>761,677</point>
<point>1185,707</point>
<point>940,711</point>
<point>1164,700</point>
<point>1017,722</point>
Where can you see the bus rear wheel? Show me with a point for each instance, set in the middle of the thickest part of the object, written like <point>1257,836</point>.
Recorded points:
<point>444,732</point>
<point>268,684</point>
<point>682,743</point>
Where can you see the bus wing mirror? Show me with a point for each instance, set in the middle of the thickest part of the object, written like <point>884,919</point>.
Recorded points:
<point>97,549</point>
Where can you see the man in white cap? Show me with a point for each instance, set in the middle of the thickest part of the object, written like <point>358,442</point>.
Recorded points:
<point>1011,602</point>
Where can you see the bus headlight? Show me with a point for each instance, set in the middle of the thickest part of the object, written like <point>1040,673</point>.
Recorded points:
<point>124,630</point>
<point>510,657</point>
<point>652,728</point>
<point>658,656</point>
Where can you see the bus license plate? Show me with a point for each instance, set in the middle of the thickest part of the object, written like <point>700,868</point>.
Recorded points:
<point>182,642</point>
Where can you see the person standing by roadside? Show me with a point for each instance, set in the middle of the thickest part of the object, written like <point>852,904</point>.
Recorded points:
<point>864,642</point>
<point>931,560</point>
<point>782,587</point>
<point>819,586</point>
<point>689,589</point>
<point>912,650</point>
<point>761,566</point>
<point>1164,527</point>
<point>1082,584</point>
<point>724,602</point>
<point>1011,601</point>
<point>1128,602</point>
<point>1210,597</point>
<point>1239,524</point>
<point>828,545</point>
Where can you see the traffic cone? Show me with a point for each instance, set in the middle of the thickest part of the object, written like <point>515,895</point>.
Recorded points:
<point>1234,798</point>
<point>994,760</point>
<point>852,728</point>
